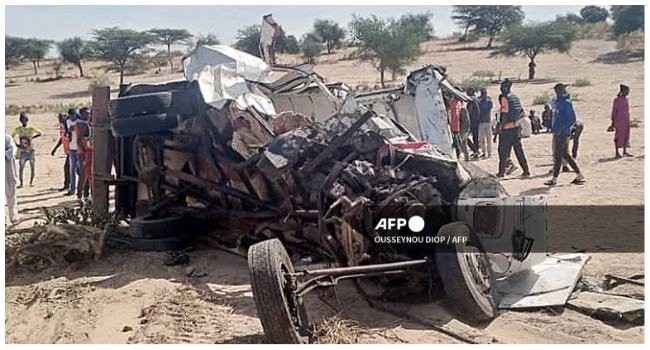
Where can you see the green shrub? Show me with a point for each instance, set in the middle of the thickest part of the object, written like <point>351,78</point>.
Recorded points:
<point>635,123</point>
<point>582,82</point>
<point>12,110</point>
<point>474,82</point>
<point>546,97</point>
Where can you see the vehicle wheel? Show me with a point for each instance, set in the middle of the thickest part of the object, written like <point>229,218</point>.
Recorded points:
<point>150,227</point>
<point>466,274</point>
<point>153,103</point>
<point>282,315</point>
<point>175,243</point>
<point>144,124</point>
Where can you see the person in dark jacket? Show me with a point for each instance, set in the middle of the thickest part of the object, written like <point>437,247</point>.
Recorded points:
<point>485,123</point>
<point>474,113</point>
<point>509,136</point>
<point>563,119</point>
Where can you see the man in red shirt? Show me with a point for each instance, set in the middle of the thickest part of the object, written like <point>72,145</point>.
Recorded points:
<point>459,135</point>
<point>64,140</point>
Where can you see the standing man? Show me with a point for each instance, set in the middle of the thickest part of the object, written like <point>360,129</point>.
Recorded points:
<point>485,123</point>
<point>74,159</point>
<point>509,136</point>
<point>621,121</point>
<point>26,134</point>
<point>64,140</point>
<point>474,114</point>
<point>10,177</point>
<point>454,113</point>
<point>563,119</point>
<point>85,150</point>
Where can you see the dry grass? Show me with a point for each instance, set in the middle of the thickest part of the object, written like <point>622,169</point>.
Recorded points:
<point>335,330</point>
<point>600,30</point>
<point>631,41</point>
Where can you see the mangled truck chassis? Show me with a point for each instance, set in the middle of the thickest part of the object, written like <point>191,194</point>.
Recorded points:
<point>293,190</point>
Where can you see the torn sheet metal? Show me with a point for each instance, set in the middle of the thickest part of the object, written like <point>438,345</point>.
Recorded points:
<point>248,66</point>
<point>219,84</point>
<point>549,283</point>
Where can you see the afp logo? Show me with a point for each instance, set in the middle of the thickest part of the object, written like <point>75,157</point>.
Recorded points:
<point>415,223</point>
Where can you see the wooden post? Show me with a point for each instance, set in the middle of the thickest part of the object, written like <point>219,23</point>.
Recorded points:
<point>102,151</point>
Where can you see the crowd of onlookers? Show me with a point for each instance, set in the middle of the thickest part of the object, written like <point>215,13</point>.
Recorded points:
<point>75,135</point>
<point>473,128</point>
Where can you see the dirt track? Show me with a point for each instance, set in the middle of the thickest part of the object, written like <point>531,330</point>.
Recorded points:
<point>133,297</point>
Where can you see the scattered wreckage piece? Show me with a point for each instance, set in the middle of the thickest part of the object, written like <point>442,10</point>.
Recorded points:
<point>609,308</point>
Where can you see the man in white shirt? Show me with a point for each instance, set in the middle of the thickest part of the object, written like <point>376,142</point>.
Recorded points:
<point>74,159</point>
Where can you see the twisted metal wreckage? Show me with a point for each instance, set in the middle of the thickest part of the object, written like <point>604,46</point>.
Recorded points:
<point>298,171</point>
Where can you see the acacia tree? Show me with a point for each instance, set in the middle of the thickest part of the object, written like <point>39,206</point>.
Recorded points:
<point>533,40</point>
<point>14,50</point>
<point>120,46</point>
<point>466,16</point>
<point>388,44</point>
<point>208,39</point>
<point>35,50</point>
<point>627,18</point>
<point>169,37</point>
<point>594,14</point>
<point>310,46</point>
<point>248,40</point>
<point>74,50</point>
<point>330,32</point>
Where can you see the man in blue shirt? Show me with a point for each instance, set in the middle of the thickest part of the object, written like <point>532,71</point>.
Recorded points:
<point>564,118</point>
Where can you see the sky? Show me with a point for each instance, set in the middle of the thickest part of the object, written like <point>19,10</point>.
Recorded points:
<point>54,22</point>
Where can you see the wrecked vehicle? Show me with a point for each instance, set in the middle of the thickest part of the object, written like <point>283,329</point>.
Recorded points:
<point>301,174</point>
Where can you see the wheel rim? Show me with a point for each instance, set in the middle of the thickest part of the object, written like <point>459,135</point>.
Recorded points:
<point>296,307</point>
<point>478,267</point>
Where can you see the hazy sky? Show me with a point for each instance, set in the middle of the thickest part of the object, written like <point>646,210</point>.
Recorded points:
<point>59,22</point>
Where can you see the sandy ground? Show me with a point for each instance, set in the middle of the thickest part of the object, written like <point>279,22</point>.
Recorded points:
<point>130,297</point>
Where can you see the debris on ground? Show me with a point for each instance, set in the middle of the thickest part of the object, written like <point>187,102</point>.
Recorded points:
<point>40,246</point>
<point>609,308</point>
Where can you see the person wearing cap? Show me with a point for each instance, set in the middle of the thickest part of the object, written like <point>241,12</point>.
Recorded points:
<point>26,134</point>
<point>563,120</point>
<point>73,133</point>
<point>621,121</point>
<point>509,135</point>
<point>64,140</point>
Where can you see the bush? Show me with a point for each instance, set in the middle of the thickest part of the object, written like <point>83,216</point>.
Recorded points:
<point>474,82</point>
<point>544,98</point>
<point>12,110</point>
<point>635,123</point>
<point>582,82</point>
<point>631,41</point>
<point>600,30</point>
<point>159,59</point>
<point>101,80</point>
<point>484,74</point>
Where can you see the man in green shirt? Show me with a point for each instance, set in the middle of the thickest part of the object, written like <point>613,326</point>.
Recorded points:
<point>26,133</point>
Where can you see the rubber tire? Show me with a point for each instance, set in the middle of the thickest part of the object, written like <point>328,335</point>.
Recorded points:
<point>143,124</point>
<point>148,227</point>
<point>153,103</point>
<point>175,243</point>
<point>265,262</point>
<point>467,300</point>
